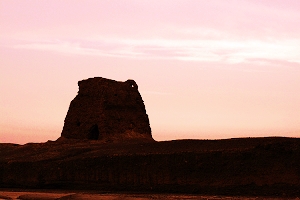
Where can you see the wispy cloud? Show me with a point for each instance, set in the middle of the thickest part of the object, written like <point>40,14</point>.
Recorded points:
<point>209,31</point>
<point>219,50</point>
<point>66,47</point>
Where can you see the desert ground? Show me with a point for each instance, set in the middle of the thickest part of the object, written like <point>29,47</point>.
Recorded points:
<point>65,195</point>
<point>234,167</point>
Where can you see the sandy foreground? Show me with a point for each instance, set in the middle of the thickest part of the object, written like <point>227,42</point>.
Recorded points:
<point>65,195</point>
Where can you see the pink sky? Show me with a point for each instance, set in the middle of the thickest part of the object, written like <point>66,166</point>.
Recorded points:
<point>205,69</point>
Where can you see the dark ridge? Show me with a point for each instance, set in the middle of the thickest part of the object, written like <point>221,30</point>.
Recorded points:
<point>255,166</point>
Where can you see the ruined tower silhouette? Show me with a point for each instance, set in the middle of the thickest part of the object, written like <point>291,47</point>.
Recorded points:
<point>107,110</point>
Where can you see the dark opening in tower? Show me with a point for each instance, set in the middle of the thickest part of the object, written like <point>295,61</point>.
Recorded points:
<point>93,133</point>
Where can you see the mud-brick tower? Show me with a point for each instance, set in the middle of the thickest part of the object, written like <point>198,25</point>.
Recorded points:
<point>107,110</point>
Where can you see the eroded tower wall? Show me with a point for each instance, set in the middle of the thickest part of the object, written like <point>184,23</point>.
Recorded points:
<point>106,110</point>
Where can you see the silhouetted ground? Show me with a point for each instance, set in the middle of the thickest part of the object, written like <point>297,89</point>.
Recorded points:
<point>244,166</point>
<point>84,195</point>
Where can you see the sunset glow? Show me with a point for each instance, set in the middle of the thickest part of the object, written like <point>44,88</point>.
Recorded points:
<point>205,69</point>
